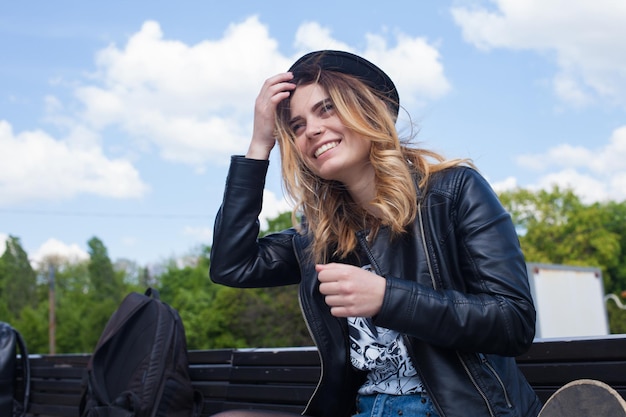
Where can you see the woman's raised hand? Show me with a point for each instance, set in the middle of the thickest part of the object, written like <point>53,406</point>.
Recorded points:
<point>274,90</point>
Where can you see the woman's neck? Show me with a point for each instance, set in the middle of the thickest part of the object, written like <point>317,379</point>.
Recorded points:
<point>363,192</point>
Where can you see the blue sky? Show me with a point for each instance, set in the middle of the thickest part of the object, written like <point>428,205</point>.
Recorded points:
<point>118,119</point>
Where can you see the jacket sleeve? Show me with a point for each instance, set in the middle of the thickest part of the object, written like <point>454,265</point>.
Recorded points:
<point>481,301</point>
<point>238,257</point>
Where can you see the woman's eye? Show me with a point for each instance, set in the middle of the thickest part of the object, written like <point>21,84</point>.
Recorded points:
<point>296,128</point>
<point>327,108</point>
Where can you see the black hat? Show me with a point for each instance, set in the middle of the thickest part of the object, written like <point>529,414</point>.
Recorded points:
<point>351,64</point>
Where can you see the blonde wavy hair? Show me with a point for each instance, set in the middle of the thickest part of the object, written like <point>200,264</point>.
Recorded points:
<point>332,216</point>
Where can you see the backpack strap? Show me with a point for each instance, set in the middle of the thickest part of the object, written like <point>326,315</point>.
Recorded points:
<point>125,405</point>
<point>153,293</point>
<point>198,403</point>
<point>26,371</point>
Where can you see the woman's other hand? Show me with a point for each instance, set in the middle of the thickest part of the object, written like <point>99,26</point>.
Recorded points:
<point>351,291</point>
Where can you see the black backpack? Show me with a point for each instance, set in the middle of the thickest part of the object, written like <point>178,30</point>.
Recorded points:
<point>13,401</point>
<point>140,366</point>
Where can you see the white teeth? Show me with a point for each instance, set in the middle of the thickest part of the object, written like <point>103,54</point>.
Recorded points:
<point>324,148</point>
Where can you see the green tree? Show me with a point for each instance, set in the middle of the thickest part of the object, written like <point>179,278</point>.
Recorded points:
<point>617,318</point>
<point>92,295</point>
<point>18,280</point>
<point>281,222</point>
<point>78,314</point>
<point>105,283</point>
<point>33,325</point>
<point>617,224</point>
<point>556,227</point>
<point>189,289</point>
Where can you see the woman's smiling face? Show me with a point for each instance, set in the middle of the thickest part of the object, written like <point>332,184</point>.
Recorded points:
<point>329,149</point>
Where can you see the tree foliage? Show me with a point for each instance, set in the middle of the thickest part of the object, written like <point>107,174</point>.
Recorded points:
<point>17,279</point>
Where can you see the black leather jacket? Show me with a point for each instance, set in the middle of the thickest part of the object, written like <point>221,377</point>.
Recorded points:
<point>457,289</point>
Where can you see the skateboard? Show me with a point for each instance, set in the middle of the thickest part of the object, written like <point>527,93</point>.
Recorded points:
<point>585,398</point>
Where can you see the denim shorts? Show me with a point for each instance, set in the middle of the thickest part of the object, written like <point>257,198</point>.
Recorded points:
<point>385,405</point>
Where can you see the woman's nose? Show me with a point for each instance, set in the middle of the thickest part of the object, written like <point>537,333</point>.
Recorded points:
<point>313,130</point>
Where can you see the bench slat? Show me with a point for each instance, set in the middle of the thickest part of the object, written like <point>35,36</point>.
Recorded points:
<point>213,407</point>
<point>212,389</point>
<point>291,357</point>
<point>283,394</point>
<point>53,385</point>
<point>210,372</point>
<point>609,348</point>
<point>55,399</point>
<point>612,372</point>
<point>47,410</point>
<point>213,356</point>
<point>270,374</point>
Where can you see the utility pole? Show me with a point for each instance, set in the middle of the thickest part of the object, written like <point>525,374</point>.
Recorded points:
<point>51,310</point>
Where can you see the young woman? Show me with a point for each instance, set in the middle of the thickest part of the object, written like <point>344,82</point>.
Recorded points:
<point>412,281</point>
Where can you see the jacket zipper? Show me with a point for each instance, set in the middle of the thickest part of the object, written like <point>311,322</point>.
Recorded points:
<point>409,345</point>
<point>421,222</point>
<point>463,363</point>
<point>432,279</point>
<point>485,361</point>
<point>319,381</point>
<point>364,245</point>
<point>482,394</point>
<point>407,341</point>
<point>301,301</point>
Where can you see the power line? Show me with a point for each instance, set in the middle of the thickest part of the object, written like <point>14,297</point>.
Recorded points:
<point>58,213</point>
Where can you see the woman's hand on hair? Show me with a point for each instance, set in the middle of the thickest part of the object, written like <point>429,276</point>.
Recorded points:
<point>274,90</point>
<point>351,291</point>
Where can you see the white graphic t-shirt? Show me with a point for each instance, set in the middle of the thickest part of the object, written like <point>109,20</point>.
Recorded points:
<point>383,353</point>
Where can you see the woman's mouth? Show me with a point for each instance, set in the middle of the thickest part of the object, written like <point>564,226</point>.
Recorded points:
<point>325,147</point>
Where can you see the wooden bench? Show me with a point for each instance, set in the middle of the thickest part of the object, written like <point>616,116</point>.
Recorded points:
<point>550,364</point>
<point>284,378</point>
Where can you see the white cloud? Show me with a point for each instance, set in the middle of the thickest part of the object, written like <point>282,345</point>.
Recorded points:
<point>36,166</point>
<point>311,36</point>
<point>595,174</point>
<point>130,241</point>
<point>413,64</point>
<point>563,155</point>
<point>586,38</point>
<point>588,188</point>
<point>53,248</point>
<point>202,234</point>
<point>3,242</point>
<point>570,90</point>
<point>508,183</point>
<point>193,102</point>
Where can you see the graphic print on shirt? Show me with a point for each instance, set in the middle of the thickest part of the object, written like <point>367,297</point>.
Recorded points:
<point>382,352</point>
